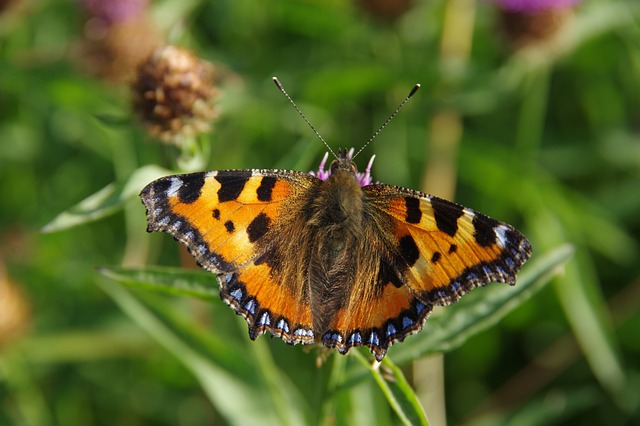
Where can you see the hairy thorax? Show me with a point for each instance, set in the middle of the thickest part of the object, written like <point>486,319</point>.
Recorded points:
<point>338,210</point>
<point>336,218</point>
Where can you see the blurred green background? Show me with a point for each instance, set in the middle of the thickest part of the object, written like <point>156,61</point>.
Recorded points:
<point>541,131</point>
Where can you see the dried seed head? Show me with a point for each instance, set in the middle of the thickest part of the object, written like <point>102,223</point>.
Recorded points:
<point>173,94</point>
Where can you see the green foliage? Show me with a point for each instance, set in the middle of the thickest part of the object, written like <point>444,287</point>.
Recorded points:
<point>549,143</point>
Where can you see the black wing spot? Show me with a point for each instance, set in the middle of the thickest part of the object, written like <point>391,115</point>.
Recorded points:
<point>446,214</point>
<point>216,214</point>
<point>265,188</point>
<point>231,185</point>
<point>436,257</point>
<point>191,187</point>
<point>453,248</point>
<point>229,226</point>
<point>414,214</point>
<point>258,227</point>
<point>161,186</point>
<point>409,250</point>
<point>485,227</point>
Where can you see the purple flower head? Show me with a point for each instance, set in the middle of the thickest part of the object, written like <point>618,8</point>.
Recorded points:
<point>322,174</point>
<point>364,179</point>
<point>114,11</point>
<point>530,6</point>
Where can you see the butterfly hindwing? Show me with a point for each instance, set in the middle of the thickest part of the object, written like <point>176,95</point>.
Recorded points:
<point>377,322</point>
<point>225,219</point>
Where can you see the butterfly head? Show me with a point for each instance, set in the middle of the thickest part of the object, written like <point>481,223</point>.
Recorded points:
<point>343,164</point>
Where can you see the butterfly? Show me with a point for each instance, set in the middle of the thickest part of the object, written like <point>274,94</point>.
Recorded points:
<point>323,259</point>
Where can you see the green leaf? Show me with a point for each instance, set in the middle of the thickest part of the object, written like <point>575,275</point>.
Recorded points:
<point>106,201</point>
<point>481,309</point>
<point>177,281</point>
<point>396,390</point>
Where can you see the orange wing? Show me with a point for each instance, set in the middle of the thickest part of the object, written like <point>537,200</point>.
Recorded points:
<point>449,249</point>
<point>224,219</point>
<point>439,251</point>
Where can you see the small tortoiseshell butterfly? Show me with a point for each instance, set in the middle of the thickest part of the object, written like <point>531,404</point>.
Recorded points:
<point>323,259</point>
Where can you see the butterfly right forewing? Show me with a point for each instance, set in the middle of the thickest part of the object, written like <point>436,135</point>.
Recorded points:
<point>449,249</point>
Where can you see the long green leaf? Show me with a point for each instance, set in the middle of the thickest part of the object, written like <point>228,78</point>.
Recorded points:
<point>177,281</point>
<point>106,201</point>
<point>240,390</point>
<point>580,296</point>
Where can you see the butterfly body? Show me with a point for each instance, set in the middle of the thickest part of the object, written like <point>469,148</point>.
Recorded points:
<point>331,261</point>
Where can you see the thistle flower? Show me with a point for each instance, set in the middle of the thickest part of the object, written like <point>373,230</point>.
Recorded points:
<point>364,179</point>
<point>173,94</point>
<point>526,22</point>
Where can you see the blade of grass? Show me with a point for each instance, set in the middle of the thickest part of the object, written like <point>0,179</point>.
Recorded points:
<point>582,301</point>
<point>23,392</point>
<point>176,281</point>
<point>227,376</point>
<point>201,284</point>
<point>282,393</point>
<point>397,390</point>
<point>106,201</point>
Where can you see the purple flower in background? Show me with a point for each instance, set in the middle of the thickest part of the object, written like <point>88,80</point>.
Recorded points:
<point>530,6</point>
<point>531,22</point>
<point>114,11</point>
<point>118,36</point>
<point>364,179</point>
<point>322,174</point>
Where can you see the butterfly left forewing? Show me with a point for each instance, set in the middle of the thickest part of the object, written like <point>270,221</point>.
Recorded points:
<point>230,220</point>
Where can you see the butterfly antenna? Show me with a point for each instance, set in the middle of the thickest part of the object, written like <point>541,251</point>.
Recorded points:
<point>413,91</point>
<point>284,92</point>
